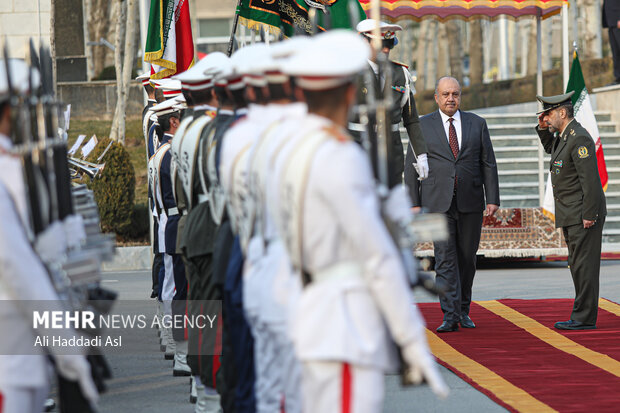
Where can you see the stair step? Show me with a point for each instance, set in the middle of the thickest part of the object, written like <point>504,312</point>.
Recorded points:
<point>517,197</point>
<point>517,148</point>
<point>521,185</point>
<point>612,219</point>
<point>518,172</point>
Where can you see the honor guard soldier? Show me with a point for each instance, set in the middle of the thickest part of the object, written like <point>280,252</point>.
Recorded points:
<point>580,206</point>
<point>356,301</point>
<point>228,262</point>
<point>197,88</point>
<point>173,287</point>
<point>402,108</point>
<point>24,381</point>
<point>145,79</point>
<point>199,233</point>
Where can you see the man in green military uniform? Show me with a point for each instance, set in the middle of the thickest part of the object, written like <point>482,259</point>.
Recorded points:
<point>580,206</point>
<point>402,106</point>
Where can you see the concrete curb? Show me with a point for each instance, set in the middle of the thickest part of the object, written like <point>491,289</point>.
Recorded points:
<point>139,258</point>
<point>130,259</point>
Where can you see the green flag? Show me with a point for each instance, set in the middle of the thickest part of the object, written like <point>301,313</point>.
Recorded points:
<point>291,16</point>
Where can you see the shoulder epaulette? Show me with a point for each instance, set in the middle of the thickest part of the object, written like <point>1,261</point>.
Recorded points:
<point>400,64</point>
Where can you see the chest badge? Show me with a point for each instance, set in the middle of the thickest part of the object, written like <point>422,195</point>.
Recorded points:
<point>582,151</point>
<point>558,163</point>
<point>401,89</point>
<point>557,171</point>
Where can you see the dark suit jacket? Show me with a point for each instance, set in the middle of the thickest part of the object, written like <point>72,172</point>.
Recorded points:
<point>577,189</point>
<point>474,166</point>
<point>611,13</point>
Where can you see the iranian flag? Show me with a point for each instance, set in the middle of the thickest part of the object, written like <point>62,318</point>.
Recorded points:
<point>584,114</point>
<point>169,44</point>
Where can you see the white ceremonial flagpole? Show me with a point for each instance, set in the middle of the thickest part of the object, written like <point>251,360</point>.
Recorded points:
<point>565,51</point>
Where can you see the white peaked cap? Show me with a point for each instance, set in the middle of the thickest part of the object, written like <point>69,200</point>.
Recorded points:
<point>165,107</point>
<point>196,77</point>
<point>251,61</point>
<point>170,87</point>
<point>288,48</point>
<point>19,77</point>
<point>330,60</point>
<point>387,30</point>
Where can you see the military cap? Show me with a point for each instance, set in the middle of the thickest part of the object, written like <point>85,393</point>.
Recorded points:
<point>552,102</point>
<point>388,31</point>
<point>332,59</point>
<point>196,78</point>
<point>145,78</point>
<point>165,107</point>
<point>281,51</point>
<point>19,78</point>
<point>170,87</point>
<point>251,61</point>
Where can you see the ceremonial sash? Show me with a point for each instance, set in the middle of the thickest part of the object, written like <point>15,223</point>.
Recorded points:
<point>189,155</point>
<point>175,150</point>
<point>155,169</point>
<point>294,180</point>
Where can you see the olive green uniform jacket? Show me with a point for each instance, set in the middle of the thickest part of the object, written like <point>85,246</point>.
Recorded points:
<point>577,189</point>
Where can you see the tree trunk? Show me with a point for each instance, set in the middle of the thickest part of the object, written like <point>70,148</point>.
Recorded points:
<point>420,54</point>
<point>98,27</point>
<point>129,58</point>
<point>121,19</point>
<point>443,57</point>
<point>476,62</point>
<point>455,49</point>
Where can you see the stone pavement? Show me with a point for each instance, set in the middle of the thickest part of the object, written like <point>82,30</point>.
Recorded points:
<point>144,383</point>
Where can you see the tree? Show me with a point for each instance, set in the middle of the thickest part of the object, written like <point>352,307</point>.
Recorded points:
<point>98,15</point>
<point>592,42</point>
<point>125,33</point>
<point>455,48</point>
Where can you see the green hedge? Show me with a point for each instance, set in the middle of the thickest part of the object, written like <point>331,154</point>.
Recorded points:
<point>114,191</point>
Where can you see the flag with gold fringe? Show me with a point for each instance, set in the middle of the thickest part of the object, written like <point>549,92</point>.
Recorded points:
<point>290,17</point>
<point>169,44</point>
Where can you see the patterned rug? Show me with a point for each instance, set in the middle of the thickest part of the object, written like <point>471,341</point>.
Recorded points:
<point>516,357</point>
<point>515,232</point>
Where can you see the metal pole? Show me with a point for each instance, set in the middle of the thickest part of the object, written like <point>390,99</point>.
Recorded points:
<point>565,51</point>
<point>539,91</point>
<point>503,49</point>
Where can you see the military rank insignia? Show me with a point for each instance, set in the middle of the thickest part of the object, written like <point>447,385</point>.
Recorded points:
<point>582,151</point>
<point>401,89</point>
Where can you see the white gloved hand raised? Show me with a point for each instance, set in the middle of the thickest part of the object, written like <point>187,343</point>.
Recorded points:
<point>421,366</point>
<point>51,243</point>
<point>422,166</point>
<point>74,230</point>
<point>76,368</point>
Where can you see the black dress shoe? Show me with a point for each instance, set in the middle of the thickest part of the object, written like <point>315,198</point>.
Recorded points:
<point>448,326</point>
<point>466,322</point>
<point>573,325</point>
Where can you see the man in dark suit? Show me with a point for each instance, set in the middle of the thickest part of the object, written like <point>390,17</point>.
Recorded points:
<point>580,205</point>
<point>463,176</point>
<point>611,19</point>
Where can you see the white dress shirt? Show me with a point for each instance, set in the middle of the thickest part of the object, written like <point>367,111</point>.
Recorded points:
<point>457,125</point>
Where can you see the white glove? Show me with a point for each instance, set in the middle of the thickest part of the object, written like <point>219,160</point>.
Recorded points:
<point>397,206</point>
<point>76,368</point>
<point>422,166</point>
<point>51,244</point>
<point>422,366</point>
<point>74,230</point>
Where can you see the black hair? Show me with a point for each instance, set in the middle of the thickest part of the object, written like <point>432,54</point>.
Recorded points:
<point>202,96</point>
<point>238,98</point>
<point>222,96</point>
<point>164,120</point>
<point>570,110</point>
<point>260,96</point>
<point>278,92</point>
<point>189,97</point>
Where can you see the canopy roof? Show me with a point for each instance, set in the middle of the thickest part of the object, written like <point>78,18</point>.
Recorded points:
<point>394,10</point>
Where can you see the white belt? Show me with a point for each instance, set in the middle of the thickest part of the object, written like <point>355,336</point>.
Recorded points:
<point>358,127</point>
<point>202,198</point>
<point>341,271</point>
<point>172,211</point>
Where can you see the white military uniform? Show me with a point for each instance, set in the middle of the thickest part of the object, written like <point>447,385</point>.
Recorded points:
<point>24,380</point>
<point>358,302</point>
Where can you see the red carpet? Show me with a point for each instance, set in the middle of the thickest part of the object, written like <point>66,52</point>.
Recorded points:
<point>516,357</point>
